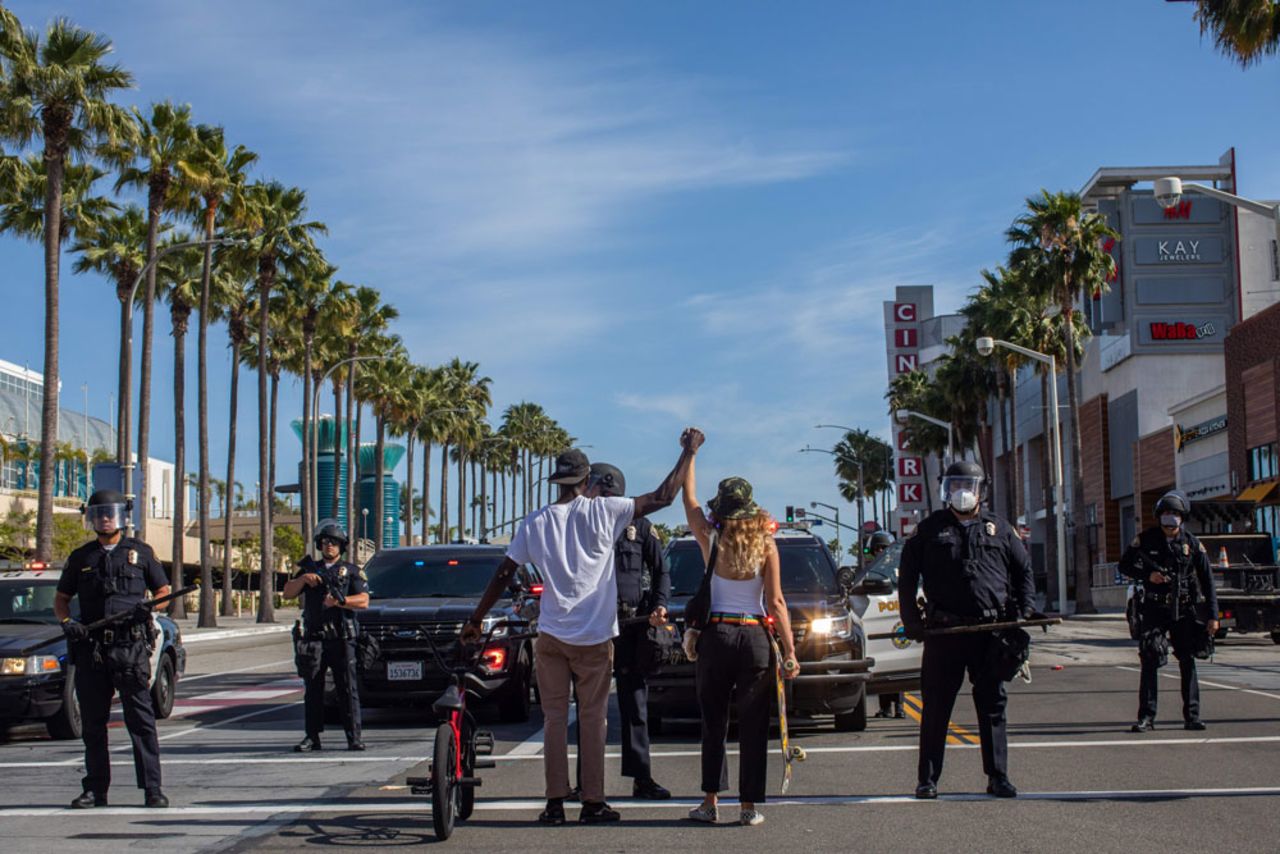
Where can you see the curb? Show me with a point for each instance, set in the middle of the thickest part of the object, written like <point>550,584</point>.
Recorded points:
<point>225,634</point>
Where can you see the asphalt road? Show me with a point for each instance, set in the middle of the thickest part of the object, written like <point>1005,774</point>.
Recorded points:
<point>1086,783</point>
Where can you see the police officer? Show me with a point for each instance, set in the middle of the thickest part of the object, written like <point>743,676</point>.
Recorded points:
<point>1177,601</point>
<point>890,702</point>
<point>332,591</point>
<point>974,570</point>
<point>111,574</point>
<point>643,587</point>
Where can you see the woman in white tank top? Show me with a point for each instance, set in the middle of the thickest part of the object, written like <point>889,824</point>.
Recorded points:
<point>733,654</point>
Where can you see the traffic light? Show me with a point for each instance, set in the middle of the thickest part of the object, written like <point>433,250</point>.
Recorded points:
<point>791,513</point>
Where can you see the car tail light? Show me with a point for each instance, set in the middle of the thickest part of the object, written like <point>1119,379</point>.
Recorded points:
<point>535,589</point>
<point>494,659</point>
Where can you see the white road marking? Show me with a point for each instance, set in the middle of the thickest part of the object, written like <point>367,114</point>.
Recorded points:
<point>246,760</point>
<point>532,746</point>
<point>233,634</point>
<point>230,811</point>
<point>185,679</point>
<point>1239,688</point>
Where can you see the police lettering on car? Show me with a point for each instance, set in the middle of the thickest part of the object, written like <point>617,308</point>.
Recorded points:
<point>111,575</point>
<point>332,590</point>
<point>974,570</point>
<point>1174,599</point>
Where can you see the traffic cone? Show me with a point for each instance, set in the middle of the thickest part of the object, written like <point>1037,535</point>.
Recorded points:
<point>1223,561</point>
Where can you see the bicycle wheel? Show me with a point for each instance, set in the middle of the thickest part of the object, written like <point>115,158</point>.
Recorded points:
<point>444,783</point>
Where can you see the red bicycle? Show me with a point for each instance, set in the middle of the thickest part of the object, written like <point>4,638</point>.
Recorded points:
<point>458,745</point>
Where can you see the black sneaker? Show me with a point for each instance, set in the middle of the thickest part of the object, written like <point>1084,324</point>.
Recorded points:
<point>648,790</point>
<point>307,745</point>
<point>554,813</point>
<point>598,813</point>
<point>1195,724</point>
<point>1001,787</point>
<point>156,799</point>
<point>926,792</point>
<point>1143,725</point>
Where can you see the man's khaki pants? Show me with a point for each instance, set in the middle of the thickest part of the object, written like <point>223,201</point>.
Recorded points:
<point>559,664</point>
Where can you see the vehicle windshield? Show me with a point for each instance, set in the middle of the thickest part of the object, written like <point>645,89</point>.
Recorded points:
<point>806,569</point>
<point>886,565</point>
<point>30,601</point>
<point>401,576</point>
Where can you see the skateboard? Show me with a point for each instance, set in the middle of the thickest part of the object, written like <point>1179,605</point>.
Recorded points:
<point>789,753</point>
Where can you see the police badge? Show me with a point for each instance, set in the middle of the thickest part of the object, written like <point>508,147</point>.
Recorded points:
<point>342,572</point>
<point>133,557</point>
<point>631,533</point>
<point>991,529</point>
<point>1186,550</point>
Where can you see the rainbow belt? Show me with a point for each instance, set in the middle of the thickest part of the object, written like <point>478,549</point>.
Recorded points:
<point>735,619</point>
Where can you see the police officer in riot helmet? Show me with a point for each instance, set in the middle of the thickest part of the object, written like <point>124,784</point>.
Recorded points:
<point>644,584</point>
<point>110,575</point>
<point>1175,600</point>
<point>332,591</point>
<point>974,570</point>
<point>890,702</point>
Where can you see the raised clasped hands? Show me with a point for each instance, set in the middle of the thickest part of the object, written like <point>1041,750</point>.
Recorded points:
<point>692,438</point>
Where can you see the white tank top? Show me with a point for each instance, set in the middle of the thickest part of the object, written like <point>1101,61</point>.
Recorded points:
<point>731,596</point>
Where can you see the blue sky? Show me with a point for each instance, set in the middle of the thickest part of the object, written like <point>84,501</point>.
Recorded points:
<point>643,215</point>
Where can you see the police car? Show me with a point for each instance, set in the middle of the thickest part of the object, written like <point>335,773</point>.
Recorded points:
<point>874,598</point>
<point>41,686</point>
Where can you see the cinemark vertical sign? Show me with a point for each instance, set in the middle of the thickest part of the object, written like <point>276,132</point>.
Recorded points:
<point>902,319</point>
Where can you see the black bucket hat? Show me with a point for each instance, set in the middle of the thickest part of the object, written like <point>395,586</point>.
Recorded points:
<point>733,500</point>
<point>571,467</point>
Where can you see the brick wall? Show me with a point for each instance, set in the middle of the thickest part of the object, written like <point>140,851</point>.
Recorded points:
<point>1095,465</point>
<point>1252,350</point>
<point>1154,470</point>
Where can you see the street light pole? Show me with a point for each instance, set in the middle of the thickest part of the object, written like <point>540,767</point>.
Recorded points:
<point>836,511</point>
<point>122,441</point>
<point>1169,190</point>
<point>903,414</point>
<point>985,347</point>
<point>808,450</point>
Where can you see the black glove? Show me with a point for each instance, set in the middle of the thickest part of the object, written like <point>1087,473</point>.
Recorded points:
<point>75,630</point>
<point>141,613</point>
<point>913,631</point>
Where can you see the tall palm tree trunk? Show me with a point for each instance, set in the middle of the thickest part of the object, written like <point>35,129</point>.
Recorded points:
<point>352,457</point>
<point>1079,549</point>
<point>207,609</point>
<point>124,412</point>
<point>480,529</point>
<point>363,533</point>
<point>444,492</point>
<point>178,606</point>
<point>266,580</point>
<point>55,163</point>
<point>379,500</point>
<point>1015,462</point>
<point>271,463</point>
<point>462,493</point>
<point>340,431</point>
<point>408,484</point>
<point>426,492</point>
<point>228,608</point>
<point>1003,450</point>
<point>305,488</point>
<point>157,188</point>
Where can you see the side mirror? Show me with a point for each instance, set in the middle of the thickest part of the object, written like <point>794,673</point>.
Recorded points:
<point>845,578</point>
<point>872,585</point>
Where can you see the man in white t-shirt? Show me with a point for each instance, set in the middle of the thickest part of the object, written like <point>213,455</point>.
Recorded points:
<point>571,542</point>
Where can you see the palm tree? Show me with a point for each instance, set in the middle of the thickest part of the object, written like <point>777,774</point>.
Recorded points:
<point>1245,30</point>
<point>432,427</point>
<point>216,178</point>
<point>384,385</point>
<point>279,237</point>
<point>1062,246</point>
<point>180,286</point>
<point>57,90</point>
<point>162,141</point>
<point>235,306</point>
<point>116,248</point>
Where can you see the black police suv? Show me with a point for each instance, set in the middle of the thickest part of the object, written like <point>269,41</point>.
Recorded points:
<point>829,638</point>
<point>432,590</point>
<point>41,686</point>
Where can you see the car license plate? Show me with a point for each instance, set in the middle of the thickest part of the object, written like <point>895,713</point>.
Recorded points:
<point>403,671</point>
<point>1227,624</point>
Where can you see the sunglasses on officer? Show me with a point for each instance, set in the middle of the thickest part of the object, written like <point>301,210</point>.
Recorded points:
<point>330,541</point>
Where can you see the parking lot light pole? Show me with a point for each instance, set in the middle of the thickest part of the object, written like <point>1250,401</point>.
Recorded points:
<point>986,346</point>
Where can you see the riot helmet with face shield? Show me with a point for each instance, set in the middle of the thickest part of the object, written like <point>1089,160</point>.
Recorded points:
<point>107,512</point>
<point>962,486</point>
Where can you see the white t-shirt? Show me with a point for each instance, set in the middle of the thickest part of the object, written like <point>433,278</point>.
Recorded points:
<point>572,544</point>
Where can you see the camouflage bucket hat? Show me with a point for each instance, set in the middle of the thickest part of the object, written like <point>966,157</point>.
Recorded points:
<point>733,500</point>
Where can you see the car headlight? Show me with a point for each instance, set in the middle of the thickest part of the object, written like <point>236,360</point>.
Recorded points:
<point>837,626</point>
<point>32,665</point>
<point>490,622</point>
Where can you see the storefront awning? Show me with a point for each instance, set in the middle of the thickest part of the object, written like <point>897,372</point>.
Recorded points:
<point>1258,492</point>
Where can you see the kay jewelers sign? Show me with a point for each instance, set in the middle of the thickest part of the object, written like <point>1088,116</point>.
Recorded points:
<point>1179,250</point>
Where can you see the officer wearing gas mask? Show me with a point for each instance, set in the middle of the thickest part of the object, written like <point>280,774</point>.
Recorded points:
<point>332,591</point>
<point>111,575</point>
<point>643,587</point>
<point>1178,602</point>
<point>974,570</point>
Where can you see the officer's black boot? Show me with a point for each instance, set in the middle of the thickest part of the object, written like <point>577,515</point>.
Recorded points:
<point>307,745</point>
<point>354,742</point>
<point>1195,724</point>
<point>1143,725</point>
<point>156,799</point>
<point>648,790</point>
<point>1001,787</point>
<point>926,791</point>
<point>88,800</point>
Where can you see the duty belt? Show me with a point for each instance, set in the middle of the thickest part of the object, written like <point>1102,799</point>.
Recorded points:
<point>123,635</point>
<point>735,619</point>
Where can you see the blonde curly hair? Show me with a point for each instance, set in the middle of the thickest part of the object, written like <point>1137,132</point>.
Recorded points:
<point>742,546</point>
